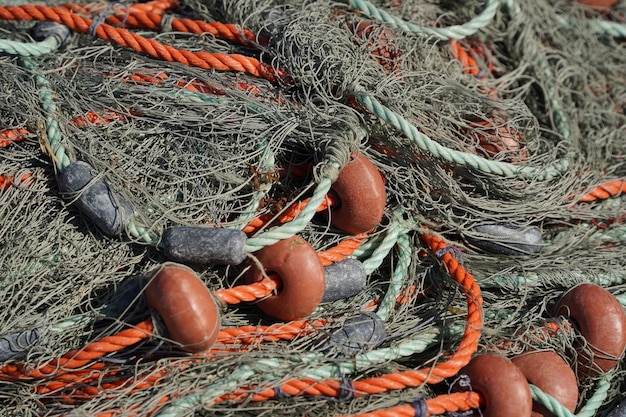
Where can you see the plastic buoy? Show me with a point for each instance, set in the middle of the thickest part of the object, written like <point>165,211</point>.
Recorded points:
<point>186,306</point>
<point>601,321</point>
<point>299,274</point>
<point>362,197</point>
<point>502,385</point>
<point>550,373</point>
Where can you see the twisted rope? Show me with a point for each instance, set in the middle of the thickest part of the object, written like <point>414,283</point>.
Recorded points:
<point>446,403</point>
<point>30,49</point>
<point>52,137</point>
<point>603,191</point>
<point>456,157</point>
<point>337,157</point>
<point>78,358</point>
<point>451,32</point>
<point>388,303</point>
<point>122,37</point>
<point>400,380</point>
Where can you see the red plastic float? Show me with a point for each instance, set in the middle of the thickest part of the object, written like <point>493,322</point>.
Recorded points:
<point>362,197</point>
<point>300,275</point>
<point>550,373</point>
<point>599,5</point>
<point>502,385</point>
<point>186,306</point>
<point>601,321</point>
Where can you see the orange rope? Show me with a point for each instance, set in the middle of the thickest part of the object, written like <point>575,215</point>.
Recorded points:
<point>469,64</point>
<point>122,37</point>
<point>96,118</point>
<point>604,191</point>
<point>78,358</point>
<point>155,6</point>
<point>342,250</point>
<point>412,378</point>
<point>7,181</point>
<point>10,136</point>
<point>287,215</point>
<point>281,331</point>
<point>153,21</point>
<point>250,292</point>
<point>447,403</point>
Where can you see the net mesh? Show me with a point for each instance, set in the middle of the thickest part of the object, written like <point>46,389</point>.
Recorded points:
<point>204,147</point>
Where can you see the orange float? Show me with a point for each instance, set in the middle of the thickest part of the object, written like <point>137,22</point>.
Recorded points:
<point>299,273</point>
<point>550,373</point>
<point>600,319</point>
<point>362,197</point>
<point>186,306</point>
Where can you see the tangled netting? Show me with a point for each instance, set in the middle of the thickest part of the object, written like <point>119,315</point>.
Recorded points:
<point>499,132</point>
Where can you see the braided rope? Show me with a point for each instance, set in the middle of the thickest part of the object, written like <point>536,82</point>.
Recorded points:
<point>412,378</point>
<point>388,303</point>
<point>122,37</point>
<point>52,137</point>
<point>30,49</point>
<point>451,32</point>
<point>603,191</point>
<point>461,158</point>
<point>78,358</point>
<point>598,398</point>
<point>445,403</point>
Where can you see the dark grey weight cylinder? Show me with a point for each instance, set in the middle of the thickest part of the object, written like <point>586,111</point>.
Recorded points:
<point>619,410</point>
<point>507,239</point>
<point>17,345</point>
<point>42,30</point>
<point>106,208</point>
<point>344,279</point>
<point>358,334</point>
<point>204,245</point>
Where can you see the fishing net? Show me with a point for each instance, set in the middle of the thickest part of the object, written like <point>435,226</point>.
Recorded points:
<point>496,130</point>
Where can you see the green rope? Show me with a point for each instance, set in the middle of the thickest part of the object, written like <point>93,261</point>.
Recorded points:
<point>461,158</point>
<point>52,138</point>
<point>380,252</point>
<point>614,29</point>
<point>142,233</point>
<point>598,398</point>
<point>609,235</point>
<point>224,385</point>
<point>388,303</point>
<point>30,49</point>
<point>337,156</point>
<point>451,32</point>
<point>591,406</point>
<point>287,230</point>
<point>617,30</point>
<point>549,402</point>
